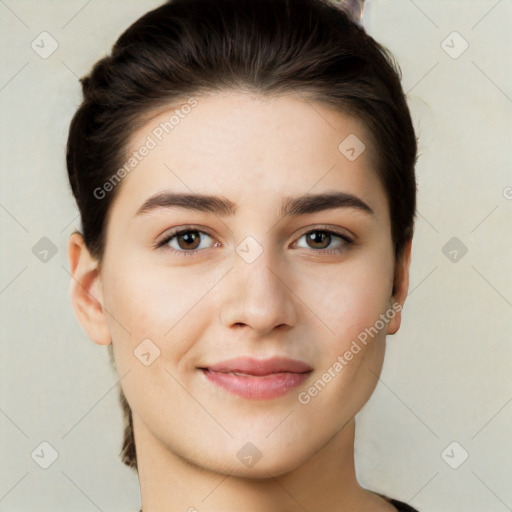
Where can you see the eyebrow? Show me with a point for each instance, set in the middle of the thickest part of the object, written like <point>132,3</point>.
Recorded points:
<point>218,205</point>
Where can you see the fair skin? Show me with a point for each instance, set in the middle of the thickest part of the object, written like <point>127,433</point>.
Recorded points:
<point>294,300</point>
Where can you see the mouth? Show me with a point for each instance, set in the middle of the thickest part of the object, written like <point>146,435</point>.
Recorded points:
<point>258,379</point>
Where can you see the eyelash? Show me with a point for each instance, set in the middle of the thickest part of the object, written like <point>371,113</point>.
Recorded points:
<point>187,229</point>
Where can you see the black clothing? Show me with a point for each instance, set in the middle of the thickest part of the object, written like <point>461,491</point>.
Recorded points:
<point>401,507</point>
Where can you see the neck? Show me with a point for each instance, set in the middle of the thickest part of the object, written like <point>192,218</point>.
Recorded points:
<point>326,481</point>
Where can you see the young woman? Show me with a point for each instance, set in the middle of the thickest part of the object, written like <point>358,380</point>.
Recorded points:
<point>245,176</point>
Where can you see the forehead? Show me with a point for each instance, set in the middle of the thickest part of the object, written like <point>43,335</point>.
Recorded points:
<point>250,149</point>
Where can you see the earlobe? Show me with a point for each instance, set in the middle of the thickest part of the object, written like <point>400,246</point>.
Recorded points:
<point>400,287</point>
<point>86,290</point>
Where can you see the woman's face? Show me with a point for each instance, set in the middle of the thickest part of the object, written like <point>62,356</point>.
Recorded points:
<point>264,270</point>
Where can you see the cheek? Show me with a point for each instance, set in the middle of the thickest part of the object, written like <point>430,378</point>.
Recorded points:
<point>357,308</point>
<point>350,305</point>
<point>349,299</point>
<point>145,302</point>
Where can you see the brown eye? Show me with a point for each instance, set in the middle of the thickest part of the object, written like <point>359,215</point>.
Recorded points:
<point>185,241</point>
<point>188,240</point>
<point>325,241</point>
<point>318,239</point>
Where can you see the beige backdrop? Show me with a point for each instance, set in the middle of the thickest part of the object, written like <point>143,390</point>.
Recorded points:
<point>437,431</point>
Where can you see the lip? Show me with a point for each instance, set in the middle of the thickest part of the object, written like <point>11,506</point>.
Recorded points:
<point>258,379</point>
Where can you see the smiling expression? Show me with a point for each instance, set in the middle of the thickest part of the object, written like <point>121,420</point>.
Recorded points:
<point>247,233</point>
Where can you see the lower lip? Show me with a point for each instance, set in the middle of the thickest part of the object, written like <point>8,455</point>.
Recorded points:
<point>257,388</point>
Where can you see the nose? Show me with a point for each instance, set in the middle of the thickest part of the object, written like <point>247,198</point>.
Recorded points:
<point>257,296</point>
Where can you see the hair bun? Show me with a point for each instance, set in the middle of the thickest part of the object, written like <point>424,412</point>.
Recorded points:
<point>354,8</point>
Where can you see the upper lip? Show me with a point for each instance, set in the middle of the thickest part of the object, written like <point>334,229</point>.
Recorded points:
<point>260,367</point>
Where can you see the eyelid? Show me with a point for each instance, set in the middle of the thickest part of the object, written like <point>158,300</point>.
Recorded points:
<point>336,230</point>
<point>171,232</point>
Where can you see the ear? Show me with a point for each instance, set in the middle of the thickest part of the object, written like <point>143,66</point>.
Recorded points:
<point>400,286</point>
<point>86,290</point>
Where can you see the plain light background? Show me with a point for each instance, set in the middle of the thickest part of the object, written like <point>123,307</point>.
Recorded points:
<point>446,377</point>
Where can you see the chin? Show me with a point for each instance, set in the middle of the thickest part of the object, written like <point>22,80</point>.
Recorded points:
<point>278,465</point>
<point>259,459</point>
